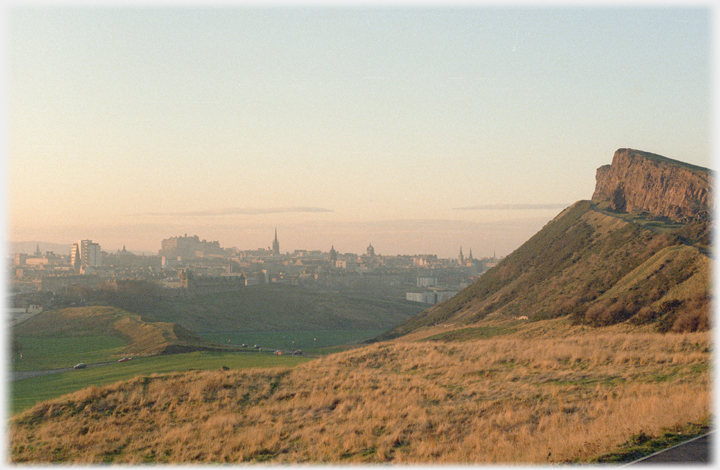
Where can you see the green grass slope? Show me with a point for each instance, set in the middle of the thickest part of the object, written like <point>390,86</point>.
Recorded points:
<point>57,338</point>
<point>597,268</point>
<point>277,307</point>
<point>27,392</point>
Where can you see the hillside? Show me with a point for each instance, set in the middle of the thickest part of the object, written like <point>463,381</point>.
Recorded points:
<point>541,392</point>
<point>600,264</point>
<point>274,307</point>
<point>640,181</point>
<point>140,337</point>
<point>559,354</point>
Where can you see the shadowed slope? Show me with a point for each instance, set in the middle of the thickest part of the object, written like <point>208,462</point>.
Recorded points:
<point>143,338</point>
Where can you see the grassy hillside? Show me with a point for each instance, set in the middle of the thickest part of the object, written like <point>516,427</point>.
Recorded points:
<point>27,392</point>
<point>595,267</point>
<point>277,307</point>
<point>61,338</point>
<point>539,392</point>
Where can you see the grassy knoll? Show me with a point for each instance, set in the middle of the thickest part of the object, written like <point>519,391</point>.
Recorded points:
<point>25,393</point>
<point>54,352</point>
<point>52,334</point>
<point>549,392</point>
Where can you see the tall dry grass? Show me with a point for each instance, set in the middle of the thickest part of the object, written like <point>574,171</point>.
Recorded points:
<point>499,400</point>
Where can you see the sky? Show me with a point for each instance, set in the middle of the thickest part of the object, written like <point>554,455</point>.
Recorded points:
<point>414,128</point>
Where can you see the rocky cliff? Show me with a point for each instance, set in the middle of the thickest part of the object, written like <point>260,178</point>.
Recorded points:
<point>644,182</point>
<point>595,266</point>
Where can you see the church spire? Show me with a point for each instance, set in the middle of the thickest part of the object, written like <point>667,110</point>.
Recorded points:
<point>276,244</point>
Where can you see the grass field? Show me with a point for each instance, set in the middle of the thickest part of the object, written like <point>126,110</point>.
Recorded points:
<point>102,334</point>
<point>54,352</point>
<point>27,392</point>
<point>303,340</point>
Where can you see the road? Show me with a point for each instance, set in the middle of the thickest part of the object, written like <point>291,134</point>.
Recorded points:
<point>695,450</point>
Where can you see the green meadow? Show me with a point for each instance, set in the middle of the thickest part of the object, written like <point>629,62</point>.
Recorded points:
<point>58,351</point>
<point>25,393</point>
<point>96,335</point>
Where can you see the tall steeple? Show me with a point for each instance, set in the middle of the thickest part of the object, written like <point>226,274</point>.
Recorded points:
<point>276,244</point>
<point>461,258</point>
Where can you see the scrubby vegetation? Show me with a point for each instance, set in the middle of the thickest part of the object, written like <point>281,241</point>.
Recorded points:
<point>547,392</point>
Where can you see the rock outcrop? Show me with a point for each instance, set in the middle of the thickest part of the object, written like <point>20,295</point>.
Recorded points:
<point>596,267</point>
<point>644,182</point>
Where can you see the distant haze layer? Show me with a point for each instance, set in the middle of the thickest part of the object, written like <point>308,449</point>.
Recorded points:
<point>416,129</point>
<point>444,238</point>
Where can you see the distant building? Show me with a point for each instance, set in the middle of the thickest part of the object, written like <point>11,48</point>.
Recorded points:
<point>85,253</point>
<point>424,260</point>
<point>189,248</point>
<point>276,245</point>
<point>429,297</point>
<point>19,259</point>
<point>211,284</point>
<point>370,251</point>
<point>75,257</point>
<point>90,253</point>
<point>61,284</point>
<point>427,282</point>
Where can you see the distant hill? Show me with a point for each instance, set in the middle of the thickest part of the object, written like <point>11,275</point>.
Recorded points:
<point>637,252</point>
<point>142,337</point>
<point>278,307</point>
<point>30,247</point>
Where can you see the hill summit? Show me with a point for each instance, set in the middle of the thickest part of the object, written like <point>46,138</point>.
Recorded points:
<point>639,181</point>
<point>637,252</point>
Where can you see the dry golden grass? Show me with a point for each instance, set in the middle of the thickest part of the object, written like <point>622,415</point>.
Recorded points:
<point>512,399</point>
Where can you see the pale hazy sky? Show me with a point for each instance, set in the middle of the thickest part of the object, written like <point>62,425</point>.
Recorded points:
<point>416,129</point>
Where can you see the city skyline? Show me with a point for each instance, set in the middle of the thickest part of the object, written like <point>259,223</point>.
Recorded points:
<point>40,248</point>
<point>419,130</point>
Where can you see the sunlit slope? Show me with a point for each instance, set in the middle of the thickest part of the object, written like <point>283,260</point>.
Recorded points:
<point>599,268</point>
<point>541,392</point>
<point>141,337</point>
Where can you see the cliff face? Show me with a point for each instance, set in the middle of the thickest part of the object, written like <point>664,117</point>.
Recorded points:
<point>639,181</point>
<point>598,268</point>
